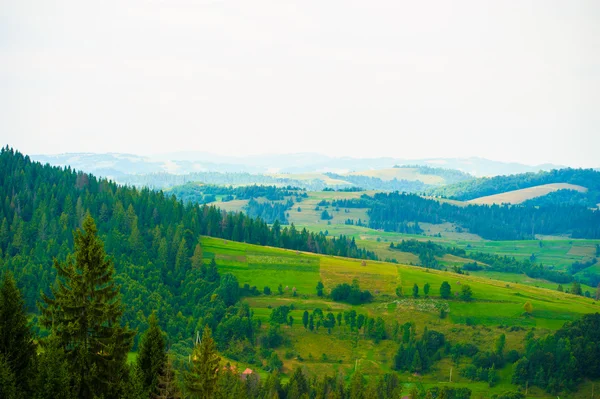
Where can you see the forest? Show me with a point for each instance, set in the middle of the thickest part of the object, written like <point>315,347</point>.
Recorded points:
<point>389,211</point>
<point>205,193</point>
<point>467,190</point>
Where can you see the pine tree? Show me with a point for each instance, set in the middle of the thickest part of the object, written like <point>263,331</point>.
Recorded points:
<point>320,287</point>
<point>357,386</point>
<point>85,314</point>
<point>298,385</point>
<point>134,388</point>
<point>305,319</point>
<point>417,364</point>
<point>167,388</point>
<point>197,261</point>
<point>200,380</point>
<point>8,383</point>
<point>53,380</point>
<point>16,343</point>
<point>399,291</point>
<point>492,376</point>
<point>152,356</point>
<point>272,385</point>
<point>445,290</point>
<point>181,259</point>
<point>426,289</point>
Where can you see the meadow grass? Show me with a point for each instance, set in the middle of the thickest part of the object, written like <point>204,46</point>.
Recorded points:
<point>496,308</point>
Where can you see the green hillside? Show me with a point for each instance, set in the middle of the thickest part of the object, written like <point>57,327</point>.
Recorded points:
<point>482,187</point>
<point>497,308</point>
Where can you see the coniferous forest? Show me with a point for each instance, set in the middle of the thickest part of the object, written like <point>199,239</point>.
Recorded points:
<point>391,212</point>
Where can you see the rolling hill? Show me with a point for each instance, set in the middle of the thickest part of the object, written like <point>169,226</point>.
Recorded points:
<point>497,306</point>
<point>524,194</point>
<point>485,187</point>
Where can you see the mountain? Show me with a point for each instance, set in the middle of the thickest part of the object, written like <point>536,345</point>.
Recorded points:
<point>114,165</point>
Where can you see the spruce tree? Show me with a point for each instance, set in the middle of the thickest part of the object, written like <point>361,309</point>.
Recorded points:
<point>8,383</point>
<point>357,386</point>
<point>305,319</point>
<point>167,387</point>
<point>445,290</point>
<point>201,378</point>
<point>84,315</point>
<point>53,380</point>
<point>16,342</point>
<point>415,291</point>
<point>197,258</point>
<point>135,389</point>
<point>151,355</point>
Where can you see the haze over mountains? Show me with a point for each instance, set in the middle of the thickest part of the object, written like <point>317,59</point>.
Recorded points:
<point>118,165</point>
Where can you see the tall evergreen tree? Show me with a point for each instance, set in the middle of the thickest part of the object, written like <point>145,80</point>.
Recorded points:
<point>53,380</point>
<point>445,290</point>
<point>357,386</point>
<point>8,383</point>
<point>84,315</point>
<point>16,343</point>
<point>151,355</point>
<point>197,261</point>
<point>167,387</point>
<point>201,379</point>
<point>305,319</point>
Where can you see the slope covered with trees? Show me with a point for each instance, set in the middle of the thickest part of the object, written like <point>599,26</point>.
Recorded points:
<point>152,238</point>
<point>485,186</point>
<point>392,211</point>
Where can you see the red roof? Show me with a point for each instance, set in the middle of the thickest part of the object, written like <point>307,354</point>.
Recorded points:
<point>247,371</point>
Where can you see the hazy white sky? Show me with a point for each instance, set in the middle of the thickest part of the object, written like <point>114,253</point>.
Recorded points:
<point>508,80</point>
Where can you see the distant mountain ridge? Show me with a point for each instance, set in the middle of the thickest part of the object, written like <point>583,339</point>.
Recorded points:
<point>116,165</point>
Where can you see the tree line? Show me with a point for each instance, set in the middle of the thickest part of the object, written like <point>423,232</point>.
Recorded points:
<point>204,193</point>
<point>494,222</point>
<point>428,251</point>
<point>464,191</point>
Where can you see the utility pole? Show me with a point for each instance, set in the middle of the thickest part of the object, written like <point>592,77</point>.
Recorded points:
<point>450,374</point>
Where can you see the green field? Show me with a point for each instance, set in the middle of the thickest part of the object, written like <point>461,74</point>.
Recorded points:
<point>497,306</point>
<point>558,253</point>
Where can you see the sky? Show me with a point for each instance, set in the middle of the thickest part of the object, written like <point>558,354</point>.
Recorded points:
<point>512,80</point>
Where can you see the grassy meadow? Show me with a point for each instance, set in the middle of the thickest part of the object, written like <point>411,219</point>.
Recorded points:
<point>497,308</point>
